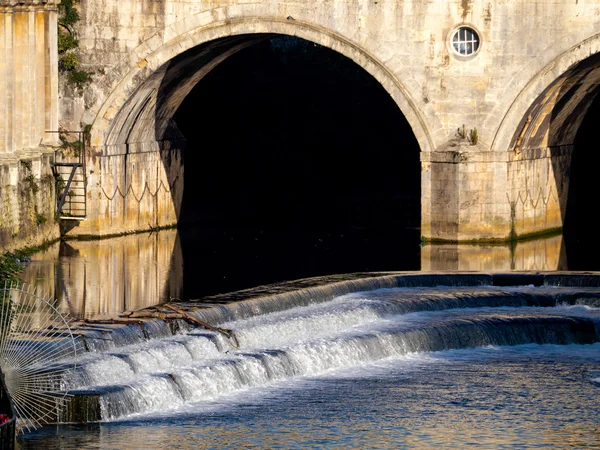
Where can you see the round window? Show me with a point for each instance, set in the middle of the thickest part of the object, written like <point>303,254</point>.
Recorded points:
<point>465,41</point>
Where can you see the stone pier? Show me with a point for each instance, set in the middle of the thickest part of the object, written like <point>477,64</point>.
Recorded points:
<point>28,109</point>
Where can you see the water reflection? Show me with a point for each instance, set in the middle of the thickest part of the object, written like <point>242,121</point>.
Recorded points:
<point>540,254</point>
<point>104,277</point>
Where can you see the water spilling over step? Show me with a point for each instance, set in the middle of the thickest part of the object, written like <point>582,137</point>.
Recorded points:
<point>147,365</point>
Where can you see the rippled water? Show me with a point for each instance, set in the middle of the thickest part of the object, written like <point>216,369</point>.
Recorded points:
<point>359,371</point>
<point>529,396</point>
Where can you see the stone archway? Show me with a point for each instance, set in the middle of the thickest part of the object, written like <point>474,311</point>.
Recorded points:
<point>540,81</point>
<point>539,132</point>
<point>129,79</point>
<point>132,128</point>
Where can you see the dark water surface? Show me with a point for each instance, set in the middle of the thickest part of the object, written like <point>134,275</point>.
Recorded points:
<point>149,268</point>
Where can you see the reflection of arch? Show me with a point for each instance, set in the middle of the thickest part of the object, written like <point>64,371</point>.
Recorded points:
<point>545,91</point>
<point>134,85</point>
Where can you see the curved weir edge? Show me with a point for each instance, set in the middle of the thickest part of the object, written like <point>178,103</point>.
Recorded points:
<point>154,322</point>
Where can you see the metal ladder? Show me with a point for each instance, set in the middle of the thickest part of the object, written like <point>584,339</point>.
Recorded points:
<point>68,169</point>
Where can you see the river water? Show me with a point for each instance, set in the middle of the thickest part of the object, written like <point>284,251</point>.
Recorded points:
<point>105,277</point>
<point>391,368</point>
<point>523,397</point>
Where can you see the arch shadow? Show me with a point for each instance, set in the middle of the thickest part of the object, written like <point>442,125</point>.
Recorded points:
<point>544,148</point>
<point>137,117</point>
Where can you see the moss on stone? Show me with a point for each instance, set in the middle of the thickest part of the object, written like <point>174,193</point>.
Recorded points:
<point>68,59</point>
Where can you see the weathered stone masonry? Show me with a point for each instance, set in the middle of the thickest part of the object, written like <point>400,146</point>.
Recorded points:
<point>525,92</point>
<point>28,108</point>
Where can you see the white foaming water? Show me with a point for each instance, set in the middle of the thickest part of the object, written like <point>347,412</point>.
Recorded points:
<point>304,324</point>
<point>149,394</point>
<point>107,370</point>
<point>344,334</point>
<point>560,310</point>
<point>161,358</point>
<point>158,355</point>
<point>271,331</point>
<point>207,346</point>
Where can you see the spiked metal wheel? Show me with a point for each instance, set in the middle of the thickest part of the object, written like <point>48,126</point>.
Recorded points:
<point>37,354</point>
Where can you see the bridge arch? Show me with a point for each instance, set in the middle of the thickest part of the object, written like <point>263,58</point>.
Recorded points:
<point>548,80</point>
<point>133,86</point>
<point>539,132</point>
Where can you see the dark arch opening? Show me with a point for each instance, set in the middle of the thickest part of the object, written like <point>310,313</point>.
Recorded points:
<point>297,163</point>
<point>581,226</point>
<point>561,124</point>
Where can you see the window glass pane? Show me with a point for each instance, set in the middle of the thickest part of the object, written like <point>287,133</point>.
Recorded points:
<point>465,41</point>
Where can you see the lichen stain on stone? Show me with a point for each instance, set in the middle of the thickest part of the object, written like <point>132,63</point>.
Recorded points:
<point>142,63</point>
<point>466,6</point>
<point>488,13</point>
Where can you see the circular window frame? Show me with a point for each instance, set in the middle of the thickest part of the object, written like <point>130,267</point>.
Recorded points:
<point>450,45</point>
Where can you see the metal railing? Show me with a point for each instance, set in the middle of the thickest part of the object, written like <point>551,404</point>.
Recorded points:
<point>69,172</point>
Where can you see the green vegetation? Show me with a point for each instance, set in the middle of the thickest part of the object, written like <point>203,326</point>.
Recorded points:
<point>30,189</point>
<point>10,263</point>
<point>472,135</point>
<point>40,219</point>
<point>87,133</point>
<point>68,148</point>
<point>33,186</point>
<point>68,60</point>
<point>9,269</point>
<point>60,185</point>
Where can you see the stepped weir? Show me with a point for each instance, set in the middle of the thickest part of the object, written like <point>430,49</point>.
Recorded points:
<point>165,359</point>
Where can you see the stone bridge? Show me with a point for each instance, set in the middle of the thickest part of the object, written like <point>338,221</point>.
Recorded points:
<point>518,77</point>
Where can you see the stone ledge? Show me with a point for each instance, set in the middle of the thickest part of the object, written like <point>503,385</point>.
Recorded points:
<point>20,155</point>
<point>27,2</point>
<point>462,156</point>
<point>541,152</point>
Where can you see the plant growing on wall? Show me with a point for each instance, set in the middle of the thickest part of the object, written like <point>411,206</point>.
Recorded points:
<point>68,60</point>
<point>474,136</point>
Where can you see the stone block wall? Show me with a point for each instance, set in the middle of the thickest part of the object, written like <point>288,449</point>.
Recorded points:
<point>478,192</point>
<point>27,202</point>
<point>137,189</point>
<point>28,108</point>
<point>464,194</point>
<point>539,187</point>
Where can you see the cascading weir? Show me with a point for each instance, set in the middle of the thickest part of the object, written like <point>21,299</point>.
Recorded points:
<point>154,362</point>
